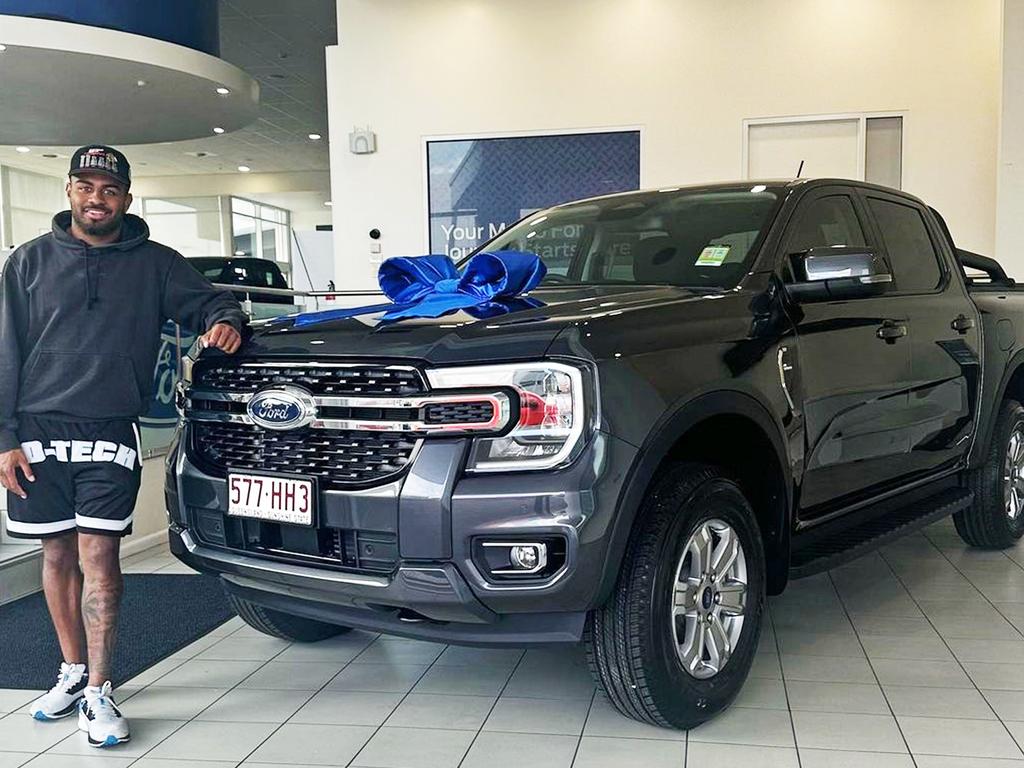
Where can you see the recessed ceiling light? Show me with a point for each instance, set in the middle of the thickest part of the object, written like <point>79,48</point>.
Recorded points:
<point>223,91</point>
<point>244,168</point>
<point>239,253</point>
<point>217,129</point>
<point>328,203</point>
<point>315,137</point>
<point>2,48</point>
<point>141,83</point>
<point>22,150</point>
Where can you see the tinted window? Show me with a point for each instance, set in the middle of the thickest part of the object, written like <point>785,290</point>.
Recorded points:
<point>911,253</point>
<point>678,237</point>
<point>826,221</point>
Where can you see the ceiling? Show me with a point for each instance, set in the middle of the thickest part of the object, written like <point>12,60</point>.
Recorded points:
<point>281,45</point>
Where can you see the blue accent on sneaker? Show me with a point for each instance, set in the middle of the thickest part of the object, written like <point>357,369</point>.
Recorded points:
<point>110,741</point>
<point>39,715</point>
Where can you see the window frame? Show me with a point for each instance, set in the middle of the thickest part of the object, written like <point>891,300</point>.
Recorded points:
<point>784,267</point>
<point>865,194</point>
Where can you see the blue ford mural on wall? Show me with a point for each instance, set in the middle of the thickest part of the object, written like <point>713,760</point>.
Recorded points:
<point>158,423</point>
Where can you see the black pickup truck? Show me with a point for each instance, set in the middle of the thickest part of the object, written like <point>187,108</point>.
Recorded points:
<point>717,389</point>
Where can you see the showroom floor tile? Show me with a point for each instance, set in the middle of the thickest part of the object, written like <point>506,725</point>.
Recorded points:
<point>912,656</point>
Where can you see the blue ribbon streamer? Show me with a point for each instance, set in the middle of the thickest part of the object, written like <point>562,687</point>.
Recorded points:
<point>431,286</point>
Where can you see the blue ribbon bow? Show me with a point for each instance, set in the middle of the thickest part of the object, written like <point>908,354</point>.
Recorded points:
<point>430,286</point>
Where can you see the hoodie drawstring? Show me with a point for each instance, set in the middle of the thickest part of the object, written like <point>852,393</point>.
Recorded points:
<point>90,293</point>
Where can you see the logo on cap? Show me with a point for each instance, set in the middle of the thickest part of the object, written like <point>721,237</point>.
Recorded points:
<point>98,158</point>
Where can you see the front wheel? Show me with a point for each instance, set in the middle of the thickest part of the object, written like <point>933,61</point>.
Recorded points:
<point>995,519</point>
<point>675,642</point>
<point>283,625</point>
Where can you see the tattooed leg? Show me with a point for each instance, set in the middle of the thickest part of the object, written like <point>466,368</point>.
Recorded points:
<point>62,585</point>
<point>101,600</point>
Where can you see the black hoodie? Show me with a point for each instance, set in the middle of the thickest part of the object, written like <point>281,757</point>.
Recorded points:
<point>80,325</point>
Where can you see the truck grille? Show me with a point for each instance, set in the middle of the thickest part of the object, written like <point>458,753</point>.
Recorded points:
<point>347,549</point>
<point>349,379</point>
<point>470,412</point>
<point>339,458</point>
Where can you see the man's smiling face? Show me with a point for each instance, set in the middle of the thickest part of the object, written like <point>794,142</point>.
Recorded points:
<point>98,203</point>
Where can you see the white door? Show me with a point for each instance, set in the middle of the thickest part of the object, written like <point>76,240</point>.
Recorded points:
<point>827,148</point>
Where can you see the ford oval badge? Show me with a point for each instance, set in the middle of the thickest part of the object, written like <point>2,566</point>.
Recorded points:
<point>284,407</point>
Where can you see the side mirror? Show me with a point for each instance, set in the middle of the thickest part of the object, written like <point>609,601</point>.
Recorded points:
<point>833,273</point>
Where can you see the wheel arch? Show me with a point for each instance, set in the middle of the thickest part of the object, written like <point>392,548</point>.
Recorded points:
<point>731,429</point>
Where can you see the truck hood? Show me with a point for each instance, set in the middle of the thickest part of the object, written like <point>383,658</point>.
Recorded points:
<point>459,336</point>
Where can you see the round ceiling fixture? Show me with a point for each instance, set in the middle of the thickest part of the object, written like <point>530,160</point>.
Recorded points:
<point>315,137</point>
<point>244,168</point>
<point>22,150</point>
<point>218,130</point>
<point>178,101</point>
<point>223,91</point>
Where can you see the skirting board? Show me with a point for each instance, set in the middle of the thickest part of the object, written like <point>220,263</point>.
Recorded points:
<point>143,543</point>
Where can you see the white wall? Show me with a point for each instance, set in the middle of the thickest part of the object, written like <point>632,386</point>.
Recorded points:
<point>313,259</point>
<point>306,221</point>
<point>687,71</point>
<point>1009,221</point>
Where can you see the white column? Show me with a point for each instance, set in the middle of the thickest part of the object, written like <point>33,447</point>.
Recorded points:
<point>1010,178</point>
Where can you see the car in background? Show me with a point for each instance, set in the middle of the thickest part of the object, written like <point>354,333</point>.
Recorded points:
<point>247,273</point>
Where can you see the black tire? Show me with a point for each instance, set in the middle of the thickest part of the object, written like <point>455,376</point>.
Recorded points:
<point>283,625</point>
<point>986,523</point>
<point>629,641</point>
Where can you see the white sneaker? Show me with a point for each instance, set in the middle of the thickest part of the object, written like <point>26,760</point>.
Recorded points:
<point>61,700</point>
<point>99,716</point>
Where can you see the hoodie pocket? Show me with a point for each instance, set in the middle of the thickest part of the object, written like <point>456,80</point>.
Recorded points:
<point>96,385</point>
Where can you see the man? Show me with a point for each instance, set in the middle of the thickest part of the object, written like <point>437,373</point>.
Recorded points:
<point>81,309</point>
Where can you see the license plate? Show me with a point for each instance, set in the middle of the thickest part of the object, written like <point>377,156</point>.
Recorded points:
<point>277,499</point>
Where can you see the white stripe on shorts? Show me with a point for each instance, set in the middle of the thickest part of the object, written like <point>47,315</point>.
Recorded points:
<point>38,529</point>
<point>138,442</point>
<point>103,524</point>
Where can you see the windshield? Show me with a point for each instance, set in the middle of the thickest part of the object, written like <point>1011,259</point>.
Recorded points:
<point>700,238</point>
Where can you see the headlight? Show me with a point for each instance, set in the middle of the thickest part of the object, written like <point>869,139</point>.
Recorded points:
<point>552,416</point>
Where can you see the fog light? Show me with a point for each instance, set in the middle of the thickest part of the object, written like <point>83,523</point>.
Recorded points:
<point>525,557</point>
<point>522,558</point>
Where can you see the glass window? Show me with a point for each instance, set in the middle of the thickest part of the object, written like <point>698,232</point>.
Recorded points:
<point>181,205</point>
<point>883,151</point>
<point>827,221</point>
<point>260,232</point>
<point>912,255</point>
<point>676,237</point>
<point>243,230</point>
<point>243,206</point>
<point>33,200</point>
<point>190,231</point>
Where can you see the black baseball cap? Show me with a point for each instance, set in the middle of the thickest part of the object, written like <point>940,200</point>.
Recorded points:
<point>99,158</point>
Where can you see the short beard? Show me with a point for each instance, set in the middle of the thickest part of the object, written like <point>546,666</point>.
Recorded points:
<point>98,229</point>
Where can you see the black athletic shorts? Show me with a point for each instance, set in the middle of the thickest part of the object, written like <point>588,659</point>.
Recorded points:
<point>87,478</point>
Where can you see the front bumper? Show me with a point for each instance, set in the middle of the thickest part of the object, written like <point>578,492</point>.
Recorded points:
<point>436,590</point>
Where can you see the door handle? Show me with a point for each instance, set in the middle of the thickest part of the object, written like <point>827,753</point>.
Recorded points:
<point>962,324</point>
<point>890,331</point>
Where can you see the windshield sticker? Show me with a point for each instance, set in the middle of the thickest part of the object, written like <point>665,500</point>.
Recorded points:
<point>713,256</point>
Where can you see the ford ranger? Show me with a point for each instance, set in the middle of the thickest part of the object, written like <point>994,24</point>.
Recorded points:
<point>715,389</point>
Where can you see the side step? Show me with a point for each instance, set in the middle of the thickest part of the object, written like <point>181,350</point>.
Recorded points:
<point>854,542</point>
